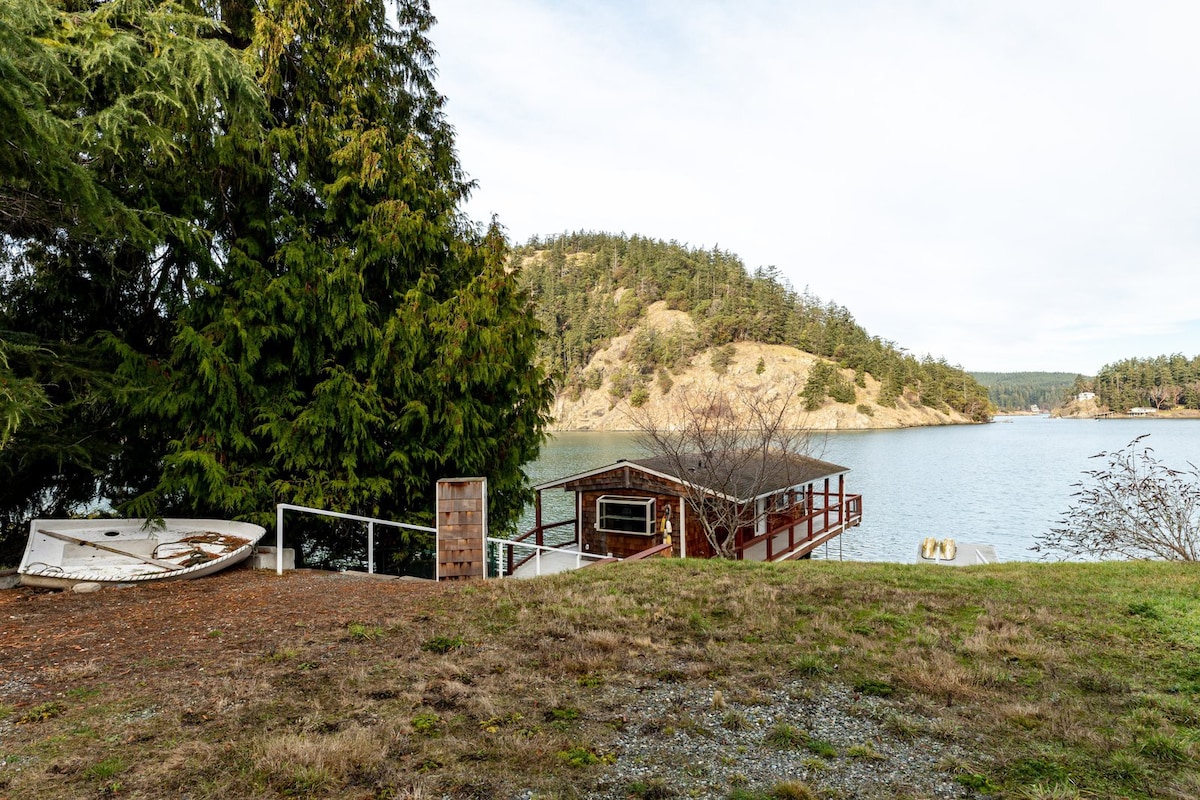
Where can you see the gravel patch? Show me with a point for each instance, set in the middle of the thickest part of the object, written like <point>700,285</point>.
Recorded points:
<point>677,739</point>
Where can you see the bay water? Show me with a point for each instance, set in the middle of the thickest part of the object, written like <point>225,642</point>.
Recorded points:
<point>1003,483</point>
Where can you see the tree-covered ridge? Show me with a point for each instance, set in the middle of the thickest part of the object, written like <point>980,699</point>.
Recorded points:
<point>1162,382</point>
<point>1017,391</point>
<point>590,287</point>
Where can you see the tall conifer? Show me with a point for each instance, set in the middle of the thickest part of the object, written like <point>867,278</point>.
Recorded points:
<point>111,114</point>
<point>361,339</point>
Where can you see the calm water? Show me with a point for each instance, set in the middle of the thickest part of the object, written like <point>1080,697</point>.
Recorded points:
<point>1000,484</point>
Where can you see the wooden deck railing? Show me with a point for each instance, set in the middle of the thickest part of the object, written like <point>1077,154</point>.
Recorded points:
<point>803,533</point>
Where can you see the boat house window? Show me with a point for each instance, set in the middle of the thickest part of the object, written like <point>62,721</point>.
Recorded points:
<point>785,500</point>
<point>625,514</point>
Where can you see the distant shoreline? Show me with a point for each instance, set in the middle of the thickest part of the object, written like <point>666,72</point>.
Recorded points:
<point>1193,415</point>
<point>1174,414</point>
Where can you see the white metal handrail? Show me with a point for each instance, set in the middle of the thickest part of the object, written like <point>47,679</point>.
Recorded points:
<point>371,521</point>
<point>537,555</point>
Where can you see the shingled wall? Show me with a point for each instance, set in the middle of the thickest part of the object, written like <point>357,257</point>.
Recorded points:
<point>461,527</point>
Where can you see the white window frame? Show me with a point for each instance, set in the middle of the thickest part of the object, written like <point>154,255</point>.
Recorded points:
<point>780,502</point>
<point>646,503</point>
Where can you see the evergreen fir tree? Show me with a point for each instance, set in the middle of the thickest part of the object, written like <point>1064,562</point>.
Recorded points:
<point>363,339</point>
<point>110,114</point>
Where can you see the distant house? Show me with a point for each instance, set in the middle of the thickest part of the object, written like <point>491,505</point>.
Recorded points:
<point>1085,396</point>
<point>1142,412</point>
<point>623,509</point>
<point>1034,409</point>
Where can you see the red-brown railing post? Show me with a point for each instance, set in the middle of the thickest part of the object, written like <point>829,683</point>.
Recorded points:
<point>826,517</point>
<point>537,515</point>
<point>537,518</point>
<point>809,509</point>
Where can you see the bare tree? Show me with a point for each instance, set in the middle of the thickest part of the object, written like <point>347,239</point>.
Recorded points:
<point>1135,506</point>
<point>729,445</point>
<point>1164,396</point>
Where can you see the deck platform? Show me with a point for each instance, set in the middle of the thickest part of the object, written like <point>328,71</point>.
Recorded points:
<point>966,555</point>
<point>552,562</point>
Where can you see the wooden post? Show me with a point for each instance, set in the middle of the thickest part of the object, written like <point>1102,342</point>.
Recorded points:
<point>809,508</point>
<point>825,527</point>
<point>537,517</point>
<point>461,528</point>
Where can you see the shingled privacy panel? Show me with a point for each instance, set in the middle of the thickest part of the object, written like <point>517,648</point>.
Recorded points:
<point>461,527</point>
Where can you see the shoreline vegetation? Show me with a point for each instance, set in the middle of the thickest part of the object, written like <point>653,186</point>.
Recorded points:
<point>659,679</point>
<point>1092,409</point>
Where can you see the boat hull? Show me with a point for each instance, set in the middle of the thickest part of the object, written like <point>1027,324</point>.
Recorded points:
<point>62,553</point>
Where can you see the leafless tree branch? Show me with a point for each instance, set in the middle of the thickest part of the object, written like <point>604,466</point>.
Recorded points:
<point>1133,507</point>
<point>713,438</point>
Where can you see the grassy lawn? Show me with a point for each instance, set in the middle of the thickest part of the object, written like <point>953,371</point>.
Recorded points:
<point>1058,681</point>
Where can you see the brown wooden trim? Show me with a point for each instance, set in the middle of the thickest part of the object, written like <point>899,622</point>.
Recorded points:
<point>649,552</point>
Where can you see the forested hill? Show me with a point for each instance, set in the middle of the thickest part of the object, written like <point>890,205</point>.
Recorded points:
<point>1164,382</point>
<point>591,288</point>
<point>1017,391</point>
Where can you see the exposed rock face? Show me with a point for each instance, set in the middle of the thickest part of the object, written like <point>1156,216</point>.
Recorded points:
<point>1079,409</point>
<point>599,410</point>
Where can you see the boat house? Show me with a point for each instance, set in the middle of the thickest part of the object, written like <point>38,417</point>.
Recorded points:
<point>773,508</point>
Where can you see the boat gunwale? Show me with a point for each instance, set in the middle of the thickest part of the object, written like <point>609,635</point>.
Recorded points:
<point>50,576</point>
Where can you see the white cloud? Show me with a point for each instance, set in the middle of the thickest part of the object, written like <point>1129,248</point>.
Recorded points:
<point>1005,184</point>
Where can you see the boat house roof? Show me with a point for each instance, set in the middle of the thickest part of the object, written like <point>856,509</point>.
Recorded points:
<point>747,479</point>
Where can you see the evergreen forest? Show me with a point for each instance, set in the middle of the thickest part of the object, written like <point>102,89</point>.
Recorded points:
<point>1161,382</point>
<point>590,287</point>
<point>234,270</point>
<point>1017,391</point>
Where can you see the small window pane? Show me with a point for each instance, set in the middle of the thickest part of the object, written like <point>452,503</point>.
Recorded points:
<point>626,516</point>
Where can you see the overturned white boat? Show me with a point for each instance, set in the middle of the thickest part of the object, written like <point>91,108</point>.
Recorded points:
<point>63,552</point>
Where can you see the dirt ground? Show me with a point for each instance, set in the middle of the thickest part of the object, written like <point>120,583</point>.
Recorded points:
<point>49,637</point>
<point>855,680</point>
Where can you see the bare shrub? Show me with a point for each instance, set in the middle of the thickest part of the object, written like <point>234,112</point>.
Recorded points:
<point>728,444</point>
<point>1133,507</point>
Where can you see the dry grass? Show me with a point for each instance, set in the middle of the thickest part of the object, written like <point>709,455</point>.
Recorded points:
<point>311,762</point>
<point>1044,673</point>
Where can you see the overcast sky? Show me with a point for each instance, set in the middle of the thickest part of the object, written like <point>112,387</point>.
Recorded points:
<point>1009,185</point>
